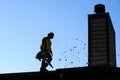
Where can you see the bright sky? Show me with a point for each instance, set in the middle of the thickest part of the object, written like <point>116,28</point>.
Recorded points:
<point>23,23</point>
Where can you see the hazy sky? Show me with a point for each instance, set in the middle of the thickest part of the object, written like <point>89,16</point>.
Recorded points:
<point>23,23</point>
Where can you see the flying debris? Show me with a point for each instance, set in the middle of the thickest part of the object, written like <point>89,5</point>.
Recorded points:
<point>81,41</point>
<point>85,44</point>
<point>59,59</point>
<point>65,59</point>
<point>71,54</point>
<point>78,52</point>
<point>75,47</point>
<point>76,39</point>
<point>70,63</point>
<point>83,47</point>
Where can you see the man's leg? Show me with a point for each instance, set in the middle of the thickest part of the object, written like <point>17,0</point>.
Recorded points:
<point>43,66</point>
<point>49,58</point>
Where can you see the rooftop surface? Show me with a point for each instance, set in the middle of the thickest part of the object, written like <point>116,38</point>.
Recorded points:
<point>83,73</point>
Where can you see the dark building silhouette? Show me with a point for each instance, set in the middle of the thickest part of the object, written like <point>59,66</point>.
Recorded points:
<point>101,35</point>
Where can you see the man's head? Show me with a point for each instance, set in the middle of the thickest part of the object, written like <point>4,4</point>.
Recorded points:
<point>51,35</point>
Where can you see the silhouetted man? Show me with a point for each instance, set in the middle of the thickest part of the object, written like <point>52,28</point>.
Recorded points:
<point>45,48</point>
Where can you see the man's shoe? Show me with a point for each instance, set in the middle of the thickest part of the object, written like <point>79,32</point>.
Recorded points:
<point>43,70</point>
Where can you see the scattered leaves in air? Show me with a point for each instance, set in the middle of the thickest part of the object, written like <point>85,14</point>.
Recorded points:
<point>60,59</point>
<point>71,54</point>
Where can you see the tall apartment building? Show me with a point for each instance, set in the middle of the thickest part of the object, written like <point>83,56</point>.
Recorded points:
<point>101,38</point>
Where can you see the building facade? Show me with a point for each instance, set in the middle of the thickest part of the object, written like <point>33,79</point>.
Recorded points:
<point>101,38</point>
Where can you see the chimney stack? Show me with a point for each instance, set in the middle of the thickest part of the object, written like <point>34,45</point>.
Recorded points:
<point>99,8</point>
